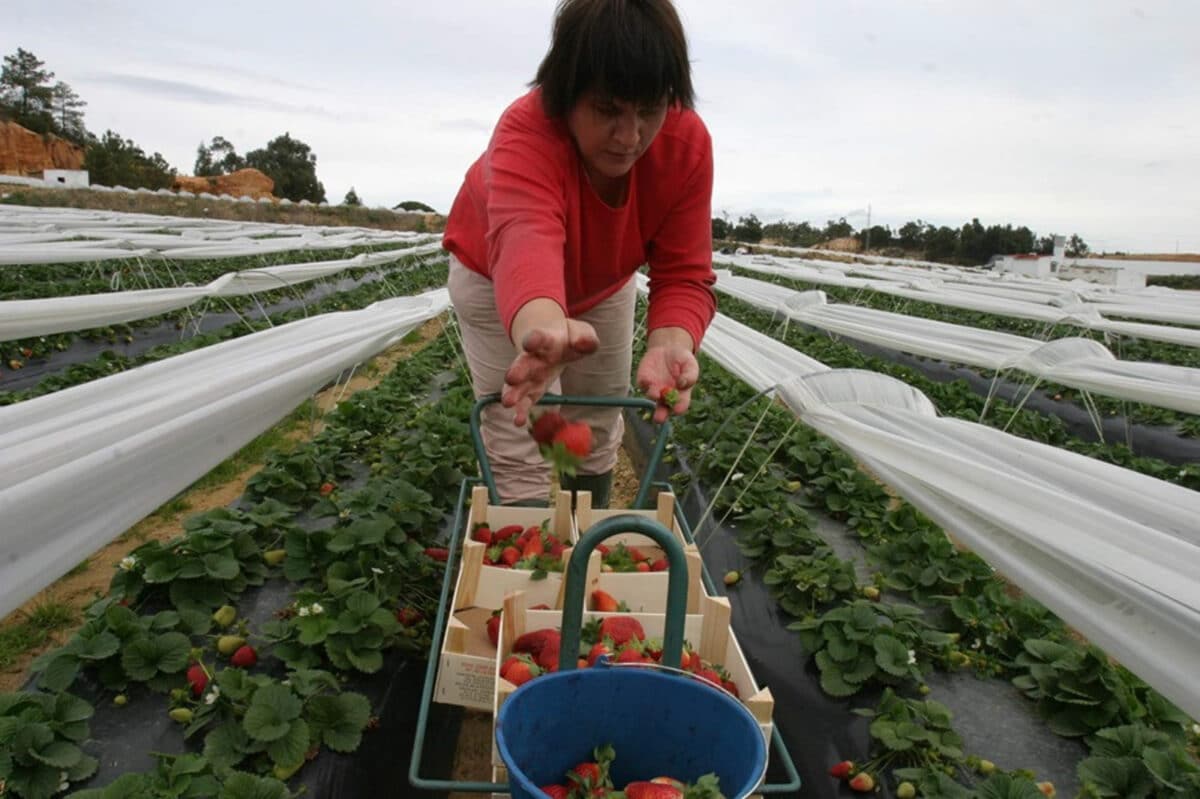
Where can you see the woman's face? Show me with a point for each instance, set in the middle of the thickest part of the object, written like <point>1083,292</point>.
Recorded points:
<point>611,134</point>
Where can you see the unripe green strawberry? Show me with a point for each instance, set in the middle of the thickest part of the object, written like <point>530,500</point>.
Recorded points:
<point>224,616</point>
<point>120,700</point>
<point>274,557</point>
<point>228,644</point>
<point>871,593</point>
<point>906,790</point>
<point>182,715</point>
<point>986,767</point>
<point>732,577</point>
<point>284,773</point>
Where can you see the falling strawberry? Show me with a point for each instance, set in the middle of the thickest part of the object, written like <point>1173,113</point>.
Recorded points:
<point>862,782</point>
<point>544,427</point>
<point>576,437</point>
<point>437,553</point>
<point>493,628</point>
<point>244,658</point>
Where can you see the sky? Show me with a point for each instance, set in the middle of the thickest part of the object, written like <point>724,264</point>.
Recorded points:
<point>1069,116</point>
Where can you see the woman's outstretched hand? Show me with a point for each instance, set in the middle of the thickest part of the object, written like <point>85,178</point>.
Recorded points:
<point>668,366</point>
<point>543,352</point>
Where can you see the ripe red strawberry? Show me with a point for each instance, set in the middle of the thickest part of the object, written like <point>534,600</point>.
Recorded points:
<point>862,782</point>
<point>542,606</point>
<point>326,489</point>
<point>730,686</point>
<point>598,649</point>
<point>482,534</point>
<point>197,678</point>
<point>576,437</point>
<point>506,532</point>
<point>438,553</point>
<point>555,791</point>
<point>710,676</point>
<point>244,658</point>
<point>548,657</point>
<point>685,659</point>
<point>546,426</point>
<point>669,781</point>
<point>533,548</point>
<point>408,616</point>
<point>519,670</point>
<point>602,549</point>
<point>493,628</point>
<point>510,556</point>
<point>636,554</point>
<point>604,602</point>
<point>622,629</point>
<point>586,775</point>
<point>642,566</point>
<point>535,642</point>
<point>652,790</point>
<point>630,654</point>
<point>841,770</point>
<point>668,396</point>
<point>659,565</point>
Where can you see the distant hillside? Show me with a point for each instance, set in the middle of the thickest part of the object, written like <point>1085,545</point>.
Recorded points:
<point>356,216</point>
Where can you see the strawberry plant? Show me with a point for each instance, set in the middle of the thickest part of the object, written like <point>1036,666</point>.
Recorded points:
<point>802,583</point>
<point>1134,760</point>
<point>913,734</point>
<point>350,626</point>
<point>39,743</point>
<point>188,777</point>
<point>927,564</point>
<point>865,643</point>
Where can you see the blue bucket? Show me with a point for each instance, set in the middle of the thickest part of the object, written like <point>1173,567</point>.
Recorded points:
<point>660,724</point>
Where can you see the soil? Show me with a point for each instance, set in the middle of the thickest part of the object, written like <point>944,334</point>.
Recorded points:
<point>81,589</point>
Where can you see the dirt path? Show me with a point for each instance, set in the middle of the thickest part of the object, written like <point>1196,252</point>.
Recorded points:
<point>89,582</point>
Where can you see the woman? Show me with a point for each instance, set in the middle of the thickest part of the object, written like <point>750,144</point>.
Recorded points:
<point>601,168</point>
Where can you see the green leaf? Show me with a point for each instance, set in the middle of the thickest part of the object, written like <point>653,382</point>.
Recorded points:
<point>271,713</point>
<point>1123,777</point>
<point>163,570</point>
<point>146,657</point>
<point>891,655</point>
<point>247,786</point>
<point>290,749</point>
<point>1005,786</point>
<point>833,684</point>
<point>226,745</point>
<point>97,646</point>
<point>367,661</point>
<point>339,720</point>
<point>60,754</point>
<point>69,708</point>
<point>85,768</point>
<point>59,673</point>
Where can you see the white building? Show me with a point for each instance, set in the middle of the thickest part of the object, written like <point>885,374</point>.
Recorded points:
<point>66,178</point>
<point>1094,270</point>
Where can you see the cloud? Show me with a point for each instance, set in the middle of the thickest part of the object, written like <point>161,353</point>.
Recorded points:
<point>469,125</point>
<point>183,91</point>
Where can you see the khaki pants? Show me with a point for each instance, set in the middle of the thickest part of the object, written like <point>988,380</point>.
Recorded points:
<point>517,466</point>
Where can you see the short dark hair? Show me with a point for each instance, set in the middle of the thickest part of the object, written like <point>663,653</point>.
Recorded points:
<point>632,50</point>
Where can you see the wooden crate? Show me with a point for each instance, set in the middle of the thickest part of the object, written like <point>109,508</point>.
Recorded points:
<point>466,670</point>
<point>709,633</point>
<point>643,592</point>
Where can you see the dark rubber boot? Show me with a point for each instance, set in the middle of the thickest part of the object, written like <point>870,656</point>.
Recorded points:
<point>599,484</point>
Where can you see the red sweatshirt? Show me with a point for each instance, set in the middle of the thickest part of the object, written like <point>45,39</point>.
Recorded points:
<point>527,218</point>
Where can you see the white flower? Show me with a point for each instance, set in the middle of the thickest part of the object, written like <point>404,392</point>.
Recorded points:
<point>65,782</point>
<point>977,644</point>
<point>344,514</point>
<point>376,571</point>
<point>212,695</point>
<point>1196,729</point>
<point>128,563</point>
<point>316,609</point>
<point>1182,473</point>
<point>303,611</point>
<point>912,657</point>
<point>736,476</point>
<point>737,508</point>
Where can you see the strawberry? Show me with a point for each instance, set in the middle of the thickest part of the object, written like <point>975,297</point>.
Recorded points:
<point>685,658</point>
<point>548,657</point>
<point>545,427</point>
<point>862,782</point>
<point>604,602</point>
<point>493,628</point>
<point>622,629</point>
<point>659,565</point>
<point>643,566</point>
<point>326,489</point>
<point>244,658</point>
<point>652,790</point>
<point>408,616</point>
<point>506,532</point>
<point>585,775</point>
<point>534,643</point>
<point>636,554</point>
<point>630,654</point>
<point>710,676</point>
<point>906,790</point>
<point>437,553</point>
<point>598,649</point>
<point>555,791</point>
<point>668,396</point>
<point>509,556</point>
<point>602,549</point>
<point>519,670</point>
<point>1047,789</point>
<point>576,438</point>
<point>482,534</point>
<point>533,548</point>
<point>730,686</point>
<point>197,678</point>
<point>542,606</point>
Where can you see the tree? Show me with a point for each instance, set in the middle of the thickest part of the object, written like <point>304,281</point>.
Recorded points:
<point>218,158</point>
<point>25,88</point>
<point>1076,247</point>
<point>68,118</point>
<point>940,243</point>
<point>748,229</point>
<point>292,165</point>
<point>721,228</point>
<point>837,230</point>
<point>352,198</point>
<point>876,236</point>
<point>113,161</point>
<point>913,234</point>
<point>414,205</point>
